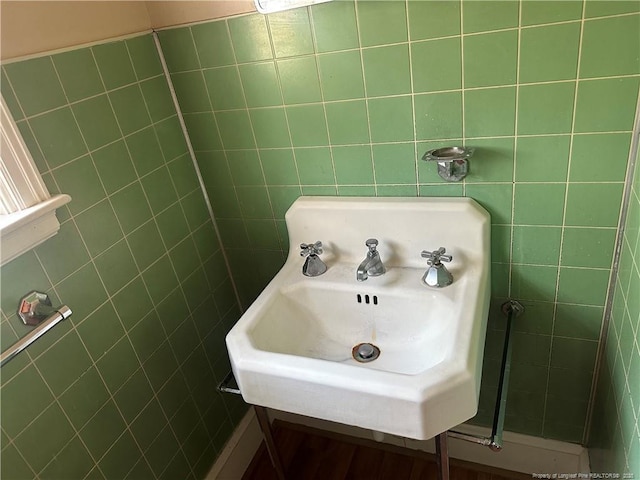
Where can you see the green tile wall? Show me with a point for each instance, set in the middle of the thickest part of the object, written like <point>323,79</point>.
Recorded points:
<point>125,388</point>
<point>615,436</point>
<point>343,98</point>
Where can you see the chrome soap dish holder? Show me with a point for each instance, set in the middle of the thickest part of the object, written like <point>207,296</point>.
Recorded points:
<point>453,163</point>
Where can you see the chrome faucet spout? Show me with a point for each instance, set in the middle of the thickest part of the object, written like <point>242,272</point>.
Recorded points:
<point>372,265</point>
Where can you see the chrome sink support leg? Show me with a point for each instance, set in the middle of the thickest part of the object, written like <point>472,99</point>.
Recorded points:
<point>442,456</point>
<point>265,426</point>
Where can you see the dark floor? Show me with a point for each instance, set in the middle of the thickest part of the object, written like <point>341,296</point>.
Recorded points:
<point>309,454</point>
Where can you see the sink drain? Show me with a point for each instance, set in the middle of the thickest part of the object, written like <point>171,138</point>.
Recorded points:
<point>365,352</point>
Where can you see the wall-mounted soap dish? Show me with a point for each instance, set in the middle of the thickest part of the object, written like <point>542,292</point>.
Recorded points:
<point>452,162</point>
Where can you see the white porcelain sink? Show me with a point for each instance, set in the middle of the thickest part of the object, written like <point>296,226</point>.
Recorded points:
<point>292,349</point>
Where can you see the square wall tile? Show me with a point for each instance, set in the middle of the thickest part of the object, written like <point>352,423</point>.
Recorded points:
<point>386,69</point>
<point>78,73</point>
<point>250,38</point>
<point>224,87</point>
<point>447,13</point>
<point>114,64</point>
<point>606,35</point>
<point>80,180</point>
<point>254,202</point>
<point>549,53</point>
<point>348,122</point>
<point>490,59</point>
<point>235,129</point>
<point>299,79</point>
<point>536,13</point>
<point>490,112</point>
<point>116,267</point>
<point>593,205</point>
<point>35,83</point>
<point>179,49</point>
<point>114,166</point>
<point>83,289</point>
<point>613,99</point>
<point>130,109</point>
<point>64,253</point>
<point>445,56</point>
<point>97,122</point>
<point>353,165</point>
<point>538,204</point>
<point>308,125</point>
<point>260,84</point>
<point>334,26</point>
<point>601,8</point>
<point>534,282</point>
<point>545,108</point>
<point>391,119</point>
<point>158,98</point>
<point>315,166</point>
<point>394,163</point>
<point>493,160</point>
<point>382,22</point>
<point>213,44</point>
<point>495,198</point>
<point>191,91</point>
<point>489,15</point>
<point>245,167</point>
<point>99,227</point>
<point>583,286</point>
<point>58,136</point>
<point>341,75</point>
<point>203,132</point>
<point>143,147</point>
<point>542,159</point>
<point>279,167</point>
<point>588,247</point>
<point>287,25</point>
<point>612,146</point>
<point>438,115</point>
<point>536,245</point>
<point>578,321</point>
<point>144,56</point>
<point>270,127</point>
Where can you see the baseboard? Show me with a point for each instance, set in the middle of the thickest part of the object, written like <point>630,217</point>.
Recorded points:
<point>520,453</point>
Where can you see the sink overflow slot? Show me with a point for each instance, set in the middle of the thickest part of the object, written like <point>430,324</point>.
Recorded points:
<point>367,299</point>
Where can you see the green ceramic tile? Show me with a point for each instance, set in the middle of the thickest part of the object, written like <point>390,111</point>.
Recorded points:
<point>334,26</point>
<point>396,191</point>
<point>287,25</point>
<point>96,121</point>
<point>250,38</point>
<point>183,175</point>
<point>603,36</point>
<point>63,363</point>
<point>493,160</point>
<point>191,91</point>
<point>83,289</point>
<point>160,279</point>
<point>270,127</point>
<point>73,461</point>
<point>160,366</point>
<point>308,125</point>
<point>357,191</point>
<point>36,85</point>
<point>601,8</point>
<point>63,253</point>
<point>542,159</point>
<point>158,98</point>
<point>353,164</point>
<point>159,190</point>
<point>41,441</point>
<point>394,163</point>
<point>260,84</point>
<point>573,354</point>
<point>614,147</point>
<point>279,167</point>
<point>100,331</point>
<point>538,204</point>
<point>538,64</point>
<point>315,166</point>
<point>185,259</point>
<point>162,450</point>
<point>146,337</point>
<point>13,464</point>
<point>102,430</point>
<point>536,245</point>
<point>213,44</point>
<point>438,115</point>
<point>341,75</point>
<point>421,13</point>
<point>386,70</point>
<point>391,119</point>
<point>84,398</point>
<point>480,16</point>
<point>147,427</point>
<point>299,80</point>
<point>116,267</point>
<point>99,227</point>
<point>131,207</point>
<point>80,180</point>
<point>593,205</point>
<point>533,282</point>
<point>114,166</point>
<point>121,458</point>
<point>263,234</point>
<point>347,122</point>
<point>490,59</point>
<point>235,129</point>
<point>224,88</point>
<point>130,109</point>
<point>445,56</point>
<point>114,64</point>
<point>245,167</point>
<point>582,286</point>
<point>172,225</point>
<point>144,149</point>
<point>382,22</point>
<point>203,131</point>
<point>545,108</point>
<point>78,73</point>
<point>133,302</point>
<point>58,136</point>
<point>578,321</point>
<point>32,144</point>
<point>495,198</point>
<point>172,141</point>
<point>442,191</point>
<point>612,99</point>
<point>535,12</point>
<point>489,112</point>
<point>144,56</point>
<point>10,97</point>
<point>179,49</point>
<point>500,243</point>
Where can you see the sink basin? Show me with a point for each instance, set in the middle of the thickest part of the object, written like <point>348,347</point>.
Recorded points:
<point>293,348</point>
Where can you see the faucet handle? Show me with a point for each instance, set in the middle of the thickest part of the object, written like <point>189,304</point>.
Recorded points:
<point>436,256</point>
<point>372,243</point>
<point>311,249</point>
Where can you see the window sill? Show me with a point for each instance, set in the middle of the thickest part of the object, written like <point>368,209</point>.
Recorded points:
<point>24,230</point>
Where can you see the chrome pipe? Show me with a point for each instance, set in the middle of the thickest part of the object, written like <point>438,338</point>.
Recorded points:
<point>480,440</point>
<point>61,313</point>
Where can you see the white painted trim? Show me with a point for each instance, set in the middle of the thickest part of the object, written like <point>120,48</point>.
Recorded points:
<point>239,450</point>
<point>23,230</point>
<point>520,453</point>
